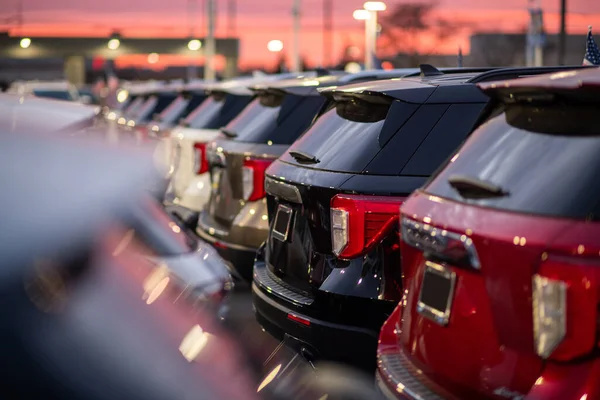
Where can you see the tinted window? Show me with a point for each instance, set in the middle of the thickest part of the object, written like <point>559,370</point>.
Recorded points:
<point>170,113</point>
<point>449,132</point>
<point>195,100</point>
<point>276,119</point>
<point>546,159</point>
<point>345,138</point>
<point>217,111</point>
<point>54,94</point>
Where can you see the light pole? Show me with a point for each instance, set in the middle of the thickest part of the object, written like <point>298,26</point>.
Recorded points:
<point>210,48</point>
<point>373,7</point>
<point>275,47</point>
<point>364,15</point>
<point>296,67</point>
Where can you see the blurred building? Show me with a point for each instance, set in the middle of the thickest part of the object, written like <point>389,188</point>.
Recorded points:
<point>498,50</point>
<point>76,54</point>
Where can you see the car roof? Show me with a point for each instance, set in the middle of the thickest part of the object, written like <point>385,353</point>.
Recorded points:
<point>44,85</point>
<point>56,191</point>
<point>22,113</point>
<point>241,86</point>
<point>417,89</point>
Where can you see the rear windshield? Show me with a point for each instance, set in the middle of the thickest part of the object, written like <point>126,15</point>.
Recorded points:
<point>545,160</point>
<point>154,105</point>
<point>276,119</point>
<point>385,137</point>
<point>217,111</point>
<point>170,113</point>
<point>54,94</point>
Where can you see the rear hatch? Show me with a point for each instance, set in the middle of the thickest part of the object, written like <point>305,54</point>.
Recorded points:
<point>478,234</point>
<point>260,134</point>
<point>188,144</point>
<point>368,145</point>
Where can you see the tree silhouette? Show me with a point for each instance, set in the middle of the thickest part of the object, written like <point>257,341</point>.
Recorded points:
<point>405,27</point>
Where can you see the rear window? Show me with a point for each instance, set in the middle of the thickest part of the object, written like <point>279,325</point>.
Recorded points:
<point>54,94</point>
<point>546,161</point>
<point>170,113</point>
<point>385,137</point>
<point>217,111</point>
<point>276,119</point>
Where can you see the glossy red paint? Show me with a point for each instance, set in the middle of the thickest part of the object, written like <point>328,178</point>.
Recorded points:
<point>369,219</point>
<point>487,348</point>
<point>200,160</point>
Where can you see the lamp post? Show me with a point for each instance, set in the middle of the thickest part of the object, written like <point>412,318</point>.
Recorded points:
<point>275,47</point>
<point>373,7</point>
<point>364,15</point>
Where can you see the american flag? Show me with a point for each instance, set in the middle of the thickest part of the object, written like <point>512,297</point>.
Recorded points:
<point>592,52</point>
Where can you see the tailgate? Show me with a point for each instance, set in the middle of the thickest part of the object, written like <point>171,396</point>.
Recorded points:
<point>486,296</point>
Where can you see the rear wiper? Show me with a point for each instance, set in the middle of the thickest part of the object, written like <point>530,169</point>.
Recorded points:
<point>473,188</point>
<point>228,133</point>
<point>303,157</point>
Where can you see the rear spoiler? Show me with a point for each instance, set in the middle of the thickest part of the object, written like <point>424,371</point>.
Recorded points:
<point>546,84</point>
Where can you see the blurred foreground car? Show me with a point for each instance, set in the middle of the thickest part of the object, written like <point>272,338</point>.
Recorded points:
<point>84,315</point>
<point>235,218</point>
<point>21,113</point>
<point>500,255</point>
<point>57,90</point>
<point>328,273</point>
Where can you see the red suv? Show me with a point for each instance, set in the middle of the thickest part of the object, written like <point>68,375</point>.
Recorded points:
<point>500,255</point>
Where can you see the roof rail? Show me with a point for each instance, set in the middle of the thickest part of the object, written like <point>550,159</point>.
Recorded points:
<point>455,70</point>
<point>511,73</point>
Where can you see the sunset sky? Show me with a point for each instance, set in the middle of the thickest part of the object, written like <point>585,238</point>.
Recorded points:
<point>259,21</point>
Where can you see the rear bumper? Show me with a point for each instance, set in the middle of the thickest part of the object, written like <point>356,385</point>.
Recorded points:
<point>340,342</point>
<point>398,378</point>
<point>240,259</point>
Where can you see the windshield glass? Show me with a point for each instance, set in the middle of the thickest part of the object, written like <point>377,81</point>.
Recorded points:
<point>276,119</point>
<point>170,113</point>
<point>329,137</point>
<point>54,94</point>
<point>216,111</point>
<point>545,160</point>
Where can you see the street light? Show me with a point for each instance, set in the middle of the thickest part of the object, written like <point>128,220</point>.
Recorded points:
<point>371,30</point>
<point>375,6</point>
<point>360,15</point>
<point>194,45</point>
<point>275,46</point>
<point>153,58</point>
<point>25,43</point>
<point>114,44</point>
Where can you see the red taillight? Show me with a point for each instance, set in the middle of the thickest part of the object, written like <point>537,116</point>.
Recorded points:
<point>253,175</point>
<point>565,308</point>
<point>200,160</point>
<point>359,222</point>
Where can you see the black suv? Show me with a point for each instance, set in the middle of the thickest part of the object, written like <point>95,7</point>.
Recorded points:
<point>327,277</point>
<point>235,218</point>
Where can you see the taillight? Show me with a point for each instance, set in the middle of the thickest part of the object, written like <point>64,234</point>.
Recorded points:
<point>200,160</point>
<point>253,176</point>
<point>564,299</point>
<point>359,222</point>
